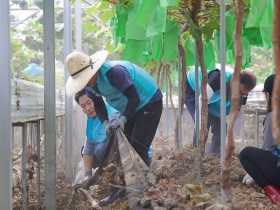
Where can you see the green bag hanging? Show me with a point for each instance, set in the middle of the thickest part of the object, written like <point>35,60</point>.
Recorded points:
<point>246,52</point>
<point>133,31</point>
<point>254,36</point>
<point>122,15</point>
<point>157,22</point>
<point>113,27</point>
<point>156,47</point>
<point>189,50</point>
<point>170,41</point>
<point>136,51</point>
<point>165,3</point>
<point>257,8</point>
<point>230,25</point>
<point>266,25</point>
<point>209,55</point>
<point>217,47</point>
<point>144,11</point>
<point>217,44</point>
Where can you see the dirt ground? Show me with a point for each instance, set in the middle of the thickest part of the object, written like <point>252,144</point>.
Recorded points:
<point>173,189</point>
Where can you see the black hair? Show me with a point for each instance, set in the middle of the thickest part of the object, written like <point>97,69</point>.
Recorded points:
<point>79,94</point>
<point>268,88</point>
<point>35,60</point>
<point>248,79</point>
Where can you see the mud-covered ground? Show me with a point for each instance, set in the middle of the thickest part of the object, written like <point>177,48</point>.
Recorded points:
<point>173,189</point>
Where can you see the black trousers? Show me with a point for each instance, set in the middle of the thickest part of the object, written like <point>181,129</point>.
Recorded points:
<point>261,165</point>
<point>141,129</point>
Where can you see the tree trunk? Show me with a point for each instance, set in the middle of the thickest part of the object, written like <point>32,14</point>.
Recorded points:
<point>204,108</point>
<point>276,88</point>
<point>235,97</point>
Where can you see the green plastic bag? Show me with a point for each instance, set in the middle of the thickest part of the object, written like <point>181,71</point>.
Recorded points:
<point>165,3</point>
<point>266,25</point>
<point>156,44</point>
<point>143,14</point>
<point>122,15</point>
<point>133,31</point>
<point>170,41</point>
<point>230,25</point>
<point>136,51</point>
<point>257,8</point>
<point>246,52</point>
<point>113,27</point>
<point>254,36</point>
<point>209,55</point>
<point>189,50</point>
<point>157,22</point>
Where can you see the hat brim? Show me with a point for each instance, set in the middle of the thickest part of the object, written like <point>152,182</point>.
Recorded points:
<point>78,82</point>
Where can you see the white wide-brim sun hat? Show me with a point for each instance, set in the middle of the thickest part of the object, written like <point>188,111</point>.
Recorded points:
<point>81,68</point>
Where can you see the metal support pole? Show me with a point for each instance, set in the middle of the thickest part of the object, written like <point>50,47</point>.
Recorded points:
<point>223,86</point>
<point>257,128</point>
<point>166,100</point>
<point>23,165</point>
<point>179,101</point>
<point>68,141</point>
<point>38,164</point>
<point>5,107</point>
<point>50,106</point>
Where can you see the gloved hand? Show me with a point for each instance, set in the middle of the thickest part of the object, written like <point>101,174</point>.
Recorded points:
<point>247,180</point>
<point>108,128</point>
<point>85,183</point>
<point>120,122</point>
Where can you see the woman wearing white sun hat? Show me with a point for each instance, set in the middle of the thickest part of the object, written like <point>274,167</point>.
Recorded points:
<point>126,87</point>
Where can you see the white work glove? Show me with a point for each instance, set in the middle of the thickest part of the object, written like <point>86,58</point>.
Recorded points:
<point>247,180</point>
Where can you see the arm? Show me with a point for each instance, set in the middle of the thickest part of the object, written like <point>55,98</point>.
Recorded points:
<point>120,78</point>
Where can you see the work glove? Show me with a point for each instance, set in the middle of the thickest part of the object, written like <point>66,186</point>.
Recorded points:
<point>247,180</point>
<point>85,183</point>
<point>120,122</point>
<point>108,128</point>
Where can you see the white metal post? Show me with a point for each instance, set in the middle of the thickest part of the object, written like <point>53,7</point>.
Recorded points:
<point>50,106</point>
<point>5,107</point>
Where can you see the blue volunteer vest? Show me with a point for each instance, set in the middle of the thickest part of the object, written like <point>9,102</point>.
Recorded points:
<point>214,103</point>
<point>143,82</point>
<point>95,131</point>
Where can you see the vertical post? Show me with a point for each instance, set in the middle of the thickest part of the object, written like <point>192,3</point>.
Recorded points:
<point>5,107</point>
<point>166,99</point>
<point>23,165</point>
<point>179,101</point>
<point>257,128</point>
<point>223,86</point>
<point>50,105</point>
<point>68,140</point>
<point>79,132</point>
<point>38,163</point>
<point>197,123</point>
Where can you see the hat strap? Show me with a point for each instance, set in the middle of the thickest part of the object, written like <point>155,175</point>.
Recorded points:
<point>90,64</point>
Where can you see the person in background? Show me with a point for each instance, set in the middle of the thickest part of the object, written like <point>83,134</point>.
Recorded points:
<point>126,87</point>
<point>34,68</point>
<point>96,138</point>
<point>247,83</point>
<point>263,165</point>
